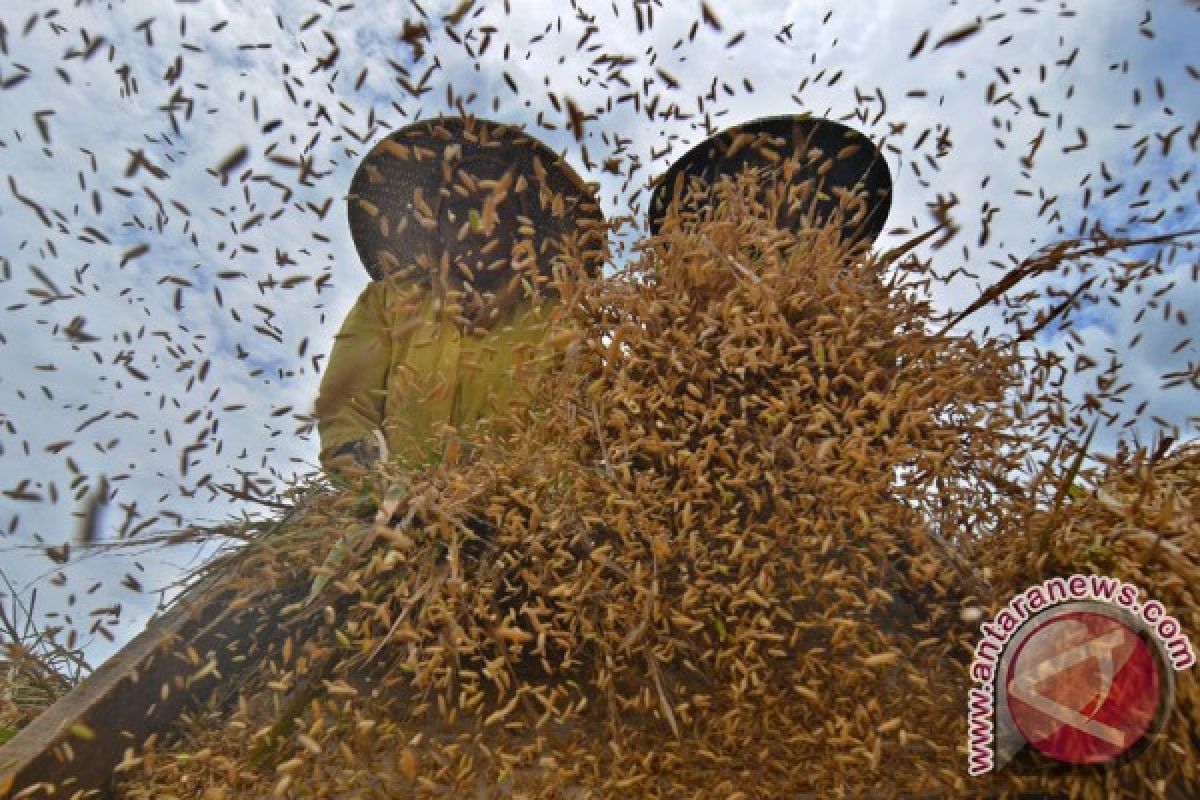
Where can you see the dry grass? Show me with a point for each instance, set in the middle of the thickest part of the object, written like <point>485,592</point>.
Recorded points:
<point>35,667</point>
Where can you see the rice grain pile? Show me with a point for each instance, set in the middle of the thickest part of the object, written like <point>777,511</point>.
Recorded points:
<point>723,551</point>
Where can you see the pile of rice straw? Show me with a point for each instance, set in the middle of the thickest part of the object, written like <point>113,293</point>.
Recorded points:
<point>736,545</point>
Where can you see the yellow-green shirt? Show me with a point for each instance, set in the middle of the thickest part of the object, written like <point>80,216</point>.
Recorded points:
<point>401,366</point>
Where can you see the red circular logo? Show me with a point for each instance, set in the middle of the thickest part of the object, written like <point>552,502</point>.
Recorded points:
<point>1083,687</point>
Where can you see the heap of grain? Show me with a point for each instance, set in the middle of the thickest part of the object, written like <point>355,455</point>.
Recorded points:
<point>723,551</point>
<point>1138,520</point>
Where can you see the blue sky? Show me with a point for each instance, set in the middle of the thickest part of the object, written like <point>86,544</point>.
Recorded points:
<point>788,51</point>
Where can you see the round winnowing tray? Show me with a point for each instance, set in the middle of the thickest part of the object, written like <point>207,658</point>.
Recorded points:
<point>840,176</point>
<point>472,201</point>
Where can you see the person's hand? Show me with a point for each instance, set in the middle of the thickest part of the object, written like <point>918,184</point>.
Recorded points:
<point>360,454</point>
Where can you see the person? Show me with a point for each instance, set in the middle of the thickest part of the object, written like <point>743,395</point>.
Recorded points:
<point>461,224</point>
<point>833,175</point>
<point>812,178</point>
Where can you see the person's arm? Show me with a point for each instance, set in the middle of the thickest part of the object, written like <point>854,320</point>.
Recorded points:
<point>351,402</point>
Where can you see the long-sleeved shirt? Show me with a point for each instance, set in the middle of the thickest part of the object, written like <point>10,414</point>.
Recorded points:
<point>402,366</point>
